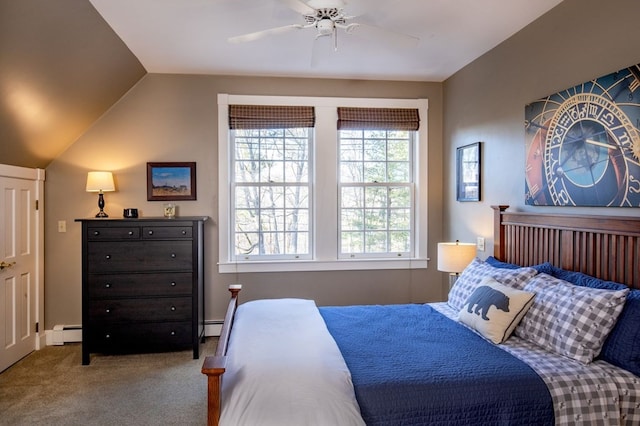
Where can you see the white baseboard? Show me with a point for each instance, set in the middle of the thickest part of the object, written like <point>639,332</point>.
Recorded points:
<point>62,334</point>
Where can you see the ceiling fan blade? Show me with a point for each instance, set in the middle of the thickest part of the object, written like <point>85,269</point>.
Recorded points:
<point>260,34</point>
<point>299,6</point>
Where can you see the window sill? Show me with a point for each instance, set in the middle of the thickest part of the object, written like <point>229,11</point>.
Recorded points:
<point>316,265</point>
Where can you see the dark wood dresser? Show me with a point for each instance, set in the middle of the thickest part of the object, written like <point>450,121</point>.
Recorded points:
<point>142,285</point>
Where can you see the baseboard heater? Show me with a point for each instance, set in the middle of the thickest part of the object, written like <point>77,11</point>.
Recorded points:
<point>66,334</point>
<point>62,334</point>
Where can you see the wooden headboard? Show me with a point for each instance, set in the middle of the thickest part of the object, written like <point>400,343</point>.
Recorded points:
<point>606,247</point>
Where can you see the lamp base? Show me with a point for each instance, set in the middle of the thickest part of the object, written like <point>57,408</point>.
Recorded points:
<point>453,277</point>
<point>101,213</point>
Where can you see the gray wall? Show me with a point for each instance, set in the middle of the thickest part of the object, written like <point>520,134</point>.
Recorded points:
<point>576,41</point>
<point>174,118</point>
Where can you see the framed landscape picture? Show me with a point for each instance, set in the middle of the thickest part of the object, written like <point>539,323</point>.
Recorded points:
<point>171,181</point>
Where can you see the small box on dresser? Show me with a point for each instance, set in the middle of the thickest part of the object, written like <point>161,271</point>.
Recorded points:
<point>142,285</point>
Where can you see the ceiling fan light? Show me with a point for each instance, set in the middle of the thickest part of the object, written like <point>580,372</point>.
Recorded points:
<point>325,26</point>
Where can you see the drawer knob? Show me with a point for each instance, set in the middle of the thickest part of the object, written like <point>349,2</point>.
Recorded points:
<point>173,283</point>
<point>96,233</point>
<point>173,308</point>
<point>184,232</point>
<point>151,232</point>
<point>173,333</point>
<point>173,255</point>
<point>107,336</point>
<point>108,310</point>
<point>130,232</point>
<point>107,285</point>
<point>108,256</point>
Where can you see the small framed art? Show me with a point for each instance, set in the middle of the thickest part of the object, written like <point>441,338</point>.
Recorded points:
<point>171,181</point>
<point>468,166</point>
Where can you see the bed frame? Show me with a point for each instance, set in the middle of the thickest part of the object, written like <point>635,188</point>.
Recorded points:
<point>606,247</point>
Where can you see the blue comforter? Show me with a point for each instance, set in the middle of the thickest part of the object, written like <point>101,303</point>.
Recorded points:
<point>411,365</point>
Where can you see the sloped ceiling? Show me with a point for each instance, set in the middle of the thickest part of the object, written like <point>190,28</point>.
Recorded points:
<point>61,67</point>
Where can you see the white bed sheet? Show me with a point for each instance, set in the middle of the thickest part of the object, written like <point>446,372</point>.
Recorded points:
<point>285,369</point>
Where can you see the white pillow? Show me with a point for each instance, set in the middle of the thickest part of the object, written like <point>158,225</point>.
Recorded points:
<point>570,320</point>
<point>477,271</point>
<point>494,310</point>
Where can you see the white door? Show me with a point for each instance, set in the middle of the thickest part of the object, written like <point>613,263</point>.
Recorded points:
<point>19,263</point>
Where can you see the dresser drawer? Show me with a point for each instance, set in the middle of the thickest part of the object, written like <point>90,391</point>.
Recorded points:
<point>142,337</point>
<point>106,286</point>
<point>142,256</point>
<point>164,232</point>
<point>113,233</point>
<point>113,311</point>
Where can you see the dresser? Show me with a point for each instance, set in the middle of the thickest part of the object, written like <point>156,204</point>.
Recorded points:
<point>142,285</point>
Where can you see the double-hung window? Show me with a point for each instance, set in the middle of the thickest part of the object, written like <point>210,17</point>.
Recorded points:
<point>271,181</point>
<point>376,181</point>
<point>312,184</point>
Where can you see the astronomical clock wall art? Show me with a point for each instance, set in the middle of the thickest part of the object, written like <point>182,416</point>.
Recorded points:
<point>583,144</point>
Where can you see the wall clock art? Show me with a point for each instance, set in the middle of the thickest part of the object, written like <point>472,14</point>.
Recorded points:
<point>583,144</point>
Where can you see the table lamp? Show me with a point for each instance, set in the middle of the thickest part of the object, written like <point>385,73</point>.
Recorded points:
<point>454,257</point>
<point>100,182</point>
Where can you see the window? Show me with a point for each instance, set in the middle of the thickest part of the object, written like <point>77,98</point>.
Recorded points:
<point>376,193</point>
<point>376,181</point>
<point>330,192</point>
<point>271,193</point>
<point>270,181</point>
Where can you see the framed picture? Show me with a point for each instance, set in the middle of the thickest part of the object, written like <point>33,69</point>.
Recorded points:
<point>171,181</point>
<point>468,172</point>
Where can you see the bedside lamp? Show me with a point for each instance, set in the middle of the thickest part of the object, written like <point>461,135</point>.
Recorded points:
<point>454,257</point>
<point>100,182</point>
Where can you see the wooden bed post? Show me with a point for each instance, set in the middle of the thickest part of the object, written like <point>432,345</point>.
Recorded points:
<point>214,366</point>
<point>499,247</point>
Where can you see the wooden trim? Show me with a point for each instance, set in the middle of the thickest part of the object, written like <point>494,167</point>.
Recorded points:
<point>214,366</point>
<point>606,247</point>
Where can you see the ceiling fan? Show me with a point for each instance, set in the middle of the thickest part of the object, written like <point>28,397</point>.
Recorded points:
<point>326,16</point>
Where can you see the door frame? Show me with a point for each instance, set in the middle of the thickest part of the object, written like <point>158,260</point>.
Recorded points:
<point>37,175</point>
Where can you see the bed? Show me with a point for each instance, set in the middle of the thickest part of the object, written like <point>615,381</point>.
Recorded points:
<point>528,378</point>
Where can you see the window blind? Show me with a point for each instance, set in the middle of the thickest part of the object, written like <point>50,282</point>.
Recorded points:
<point>378,118</point>
<point>270,116</point>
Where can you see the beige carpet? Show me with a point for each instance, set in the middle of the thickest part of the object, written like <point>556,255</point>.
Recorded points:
<point>51,387</point>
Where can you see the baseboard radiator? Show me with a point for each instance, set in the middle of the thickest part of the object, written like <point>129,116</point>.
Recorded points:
<point>62,334</point>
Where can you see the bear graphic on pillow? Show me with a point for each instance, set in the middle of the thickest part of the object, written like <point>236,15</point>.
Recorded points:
<point>483,298</point>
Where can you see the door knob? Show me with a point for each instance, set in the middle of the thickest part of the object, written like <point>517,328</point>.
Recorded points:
<point>4,265</point>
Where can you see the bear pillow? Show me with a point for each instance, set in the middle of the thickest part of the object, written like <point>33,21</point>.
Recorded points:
<point>494,310</point>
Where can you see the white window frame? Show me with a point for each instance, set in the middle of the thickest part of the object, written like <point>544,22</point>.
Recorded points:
<point>325,245</point>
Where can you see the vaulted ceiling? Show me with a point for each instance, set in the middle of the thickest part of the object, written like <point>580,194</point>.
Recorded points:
<point>61,68</point>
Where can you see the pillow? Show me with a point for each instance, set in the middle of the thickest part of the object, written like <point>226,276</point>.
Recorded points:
<point>570,320</point>
<point>477,271</point>
<point>545,267</point>
<point>622,346</point>
<point>494,310</point>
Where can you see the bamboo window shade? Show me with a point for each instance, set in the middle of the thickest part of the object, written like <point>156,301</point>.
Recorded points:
<point>270,116</point>
<point>378,119</point>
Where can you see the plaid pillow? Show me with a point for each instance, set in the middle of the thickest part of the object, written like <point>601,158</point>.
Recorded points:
<point>476,272</point>
<point>570,320</point>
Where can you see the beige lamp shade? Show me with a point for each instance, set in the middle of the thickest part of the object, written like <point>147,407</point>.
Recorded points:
<point>454,257</point>
<point>100,182</point>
